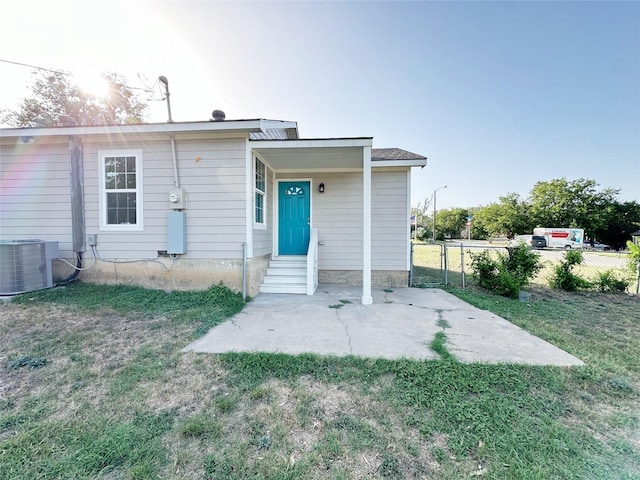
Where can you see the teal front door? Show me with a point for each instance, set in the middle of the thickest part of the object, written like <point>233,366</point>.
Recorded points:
<point>294,215</point>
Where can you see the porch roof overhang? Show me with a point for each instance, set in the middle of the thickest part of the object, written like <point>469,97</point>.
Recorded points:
<point>336,154</point>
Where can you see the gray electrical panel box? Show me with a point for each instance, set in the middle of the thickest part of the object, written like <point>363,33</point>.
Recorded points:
<point>176,233</point>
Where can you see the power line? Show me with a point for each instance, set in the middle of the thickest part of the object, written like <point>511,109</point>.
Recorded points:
<point>35,66</point>
<point>151,89</point>
<point>62,72</point>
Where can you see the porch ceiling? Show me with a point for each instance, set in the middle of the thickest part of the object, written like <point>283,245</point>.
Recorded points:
<point>312,154</point>
<point>305,158</point>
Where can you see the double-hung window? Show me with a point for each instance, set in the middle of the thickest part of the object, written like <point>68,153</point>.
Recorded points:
<point>120,190</point>
<point>260,194</point>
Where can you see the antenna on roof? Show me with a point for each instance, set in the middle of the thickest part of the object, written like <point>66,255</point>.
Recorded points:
<point>163,80</point>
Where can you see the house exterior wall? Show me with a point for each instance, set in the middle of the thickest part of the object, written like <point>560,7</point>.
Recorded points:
<point>389,219</point>
<point>212,174</point>
<point>337,214</point>
<point>35,192</point>
<point>35,203</point>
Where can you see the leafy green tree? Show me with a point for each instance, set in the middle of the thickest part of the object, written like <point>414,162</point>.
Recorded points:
<point>577,203</point>
<point>479,231</point>
<point>555,203</point>
<point>617,222</point>
<point>53,95</point>
<point>451,222</point>
<point>508,217</point>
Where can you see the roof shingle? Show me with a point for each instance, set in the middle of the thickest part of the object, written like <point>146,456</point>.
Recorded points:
<point>394,154</point>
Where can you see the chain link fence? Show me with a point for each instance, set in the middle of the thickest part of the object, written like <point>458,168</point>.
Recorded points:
<point>439,264</point>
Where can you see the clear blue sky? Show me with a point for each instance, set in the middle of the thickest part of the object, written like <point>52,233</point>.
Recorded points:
<point>498,95</point>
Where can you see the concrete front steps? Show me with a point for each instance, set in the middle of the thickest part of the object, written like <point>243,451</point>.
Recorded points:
<point>286,274</point>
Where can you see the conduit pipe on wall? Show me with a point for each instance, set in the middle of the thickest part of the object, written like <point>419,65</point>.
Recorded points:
<point>174,156</point>
<point>163,80</point>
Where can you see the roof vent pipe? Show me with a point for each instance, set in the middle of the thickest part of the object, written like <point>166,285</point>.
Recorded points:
<point>218,115</point>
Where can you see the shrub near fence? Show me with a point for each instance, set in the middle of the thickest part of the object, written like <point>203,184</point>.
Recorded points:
<point>450,264</point>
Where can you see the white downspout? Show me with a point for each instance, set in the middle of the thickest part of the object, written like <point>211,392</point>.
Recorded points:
<point>367,299</point>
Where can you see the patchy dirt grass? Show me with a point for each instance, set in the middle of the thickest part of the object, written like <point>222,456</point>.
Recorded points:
<point>119,365</point>
<point>108,394</point>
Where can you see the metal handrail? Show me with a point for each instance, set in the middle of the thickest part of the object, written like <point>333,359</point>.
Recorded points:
<point>312,262</point>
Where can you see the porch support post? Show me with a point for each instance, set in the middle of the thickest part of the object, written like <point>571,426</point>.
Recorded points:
<point>367,299</point>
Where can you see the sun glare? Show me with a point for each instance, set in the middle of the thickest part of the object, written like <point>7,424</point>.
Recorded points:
<point>92,83</point>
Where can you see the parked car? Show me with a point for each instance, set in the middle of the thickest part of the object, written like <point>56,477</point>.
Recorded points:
<point>597,246</point>
<point>533,241</point>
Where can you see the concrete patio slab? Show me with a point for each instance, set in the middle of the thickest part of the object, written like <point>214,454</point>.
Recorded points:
<point>401,323</point>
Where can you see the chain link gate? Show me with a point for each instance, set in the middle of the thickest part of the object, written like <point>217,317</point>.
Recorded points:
<point>439,264</point>
<point>428,265</point>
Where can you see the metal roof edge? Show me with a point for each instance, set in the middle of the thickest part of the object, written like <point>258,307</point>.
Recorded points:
<point>313,142</point>
<point>251,125</point>
<point>399,163</point>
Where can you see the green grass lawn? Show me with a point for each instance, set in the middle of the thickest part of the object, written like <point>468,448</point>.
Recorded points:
<point>93,385</point>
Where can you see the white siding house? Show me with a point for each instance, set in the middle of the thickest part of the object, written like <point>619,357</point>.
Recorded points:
<point>250,192</point>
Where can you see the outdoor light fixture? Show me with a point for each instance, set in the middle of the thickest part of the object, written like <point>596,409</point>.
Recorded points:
<point>321,188</point>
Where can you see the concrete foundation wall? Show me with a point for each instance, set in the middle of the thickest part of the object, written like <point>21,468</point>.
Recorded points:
<point>185,274</point>
<point>379,278</point>
<point>256,271</point>
<point>390,278</point>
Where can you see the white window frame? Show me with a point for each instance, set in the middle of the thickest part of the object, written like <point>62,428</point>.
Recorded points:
<point>102,200</point>
<point>256,191</point>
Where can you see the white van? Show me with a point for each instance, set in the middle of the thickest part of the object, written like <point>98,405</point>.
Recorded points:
<point>562,237</point>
